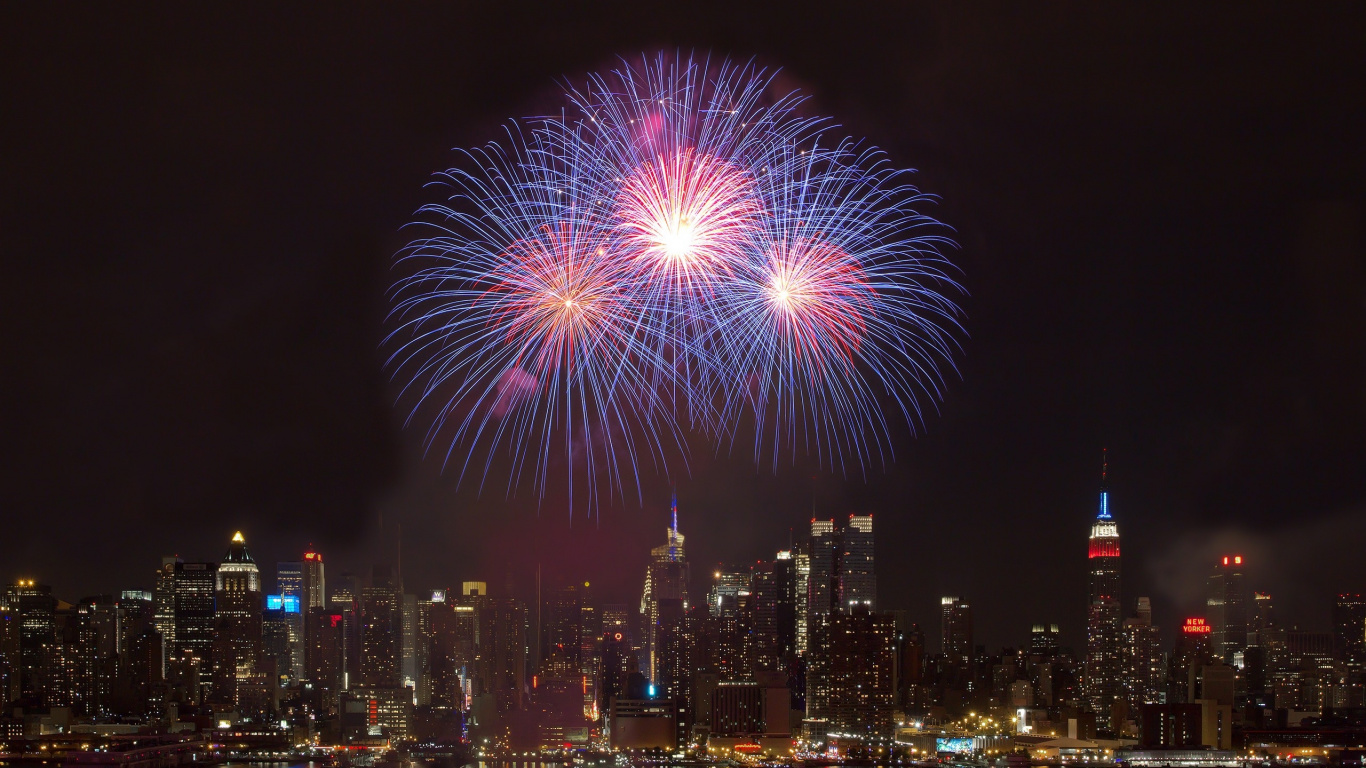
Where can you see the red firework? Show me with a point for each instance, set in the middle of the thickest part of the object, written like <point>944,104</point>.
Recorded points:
<point>817,300</point>
<point>686,218</point>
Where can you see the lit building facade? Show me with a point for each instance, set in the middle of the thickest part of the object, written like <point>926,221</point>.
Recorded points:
<point>1103,663</point>
<point>851,677</point>
<point>237,647</point>
<point>1226,609</point>
<point>666,578</point>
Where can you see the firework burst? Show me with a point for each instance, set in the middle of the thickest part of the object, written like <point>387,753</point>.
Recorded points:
<point>677,250</point>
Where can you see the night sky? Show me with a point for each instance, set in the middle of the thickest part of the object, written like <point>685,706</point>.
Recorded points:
<point>1161,214</point>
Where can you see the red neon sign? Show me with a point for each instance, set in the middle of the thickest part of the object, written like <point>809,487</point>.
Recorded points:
<point>1195,627</point>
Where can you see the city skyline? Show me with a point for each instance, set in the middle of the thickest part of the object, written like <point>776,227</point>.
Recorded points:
<point>1158,221</point>
<point>927,610</point>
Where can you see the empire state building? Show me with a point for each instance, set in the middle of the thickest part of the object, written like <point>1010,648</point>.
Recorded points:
<point>1103,623</point>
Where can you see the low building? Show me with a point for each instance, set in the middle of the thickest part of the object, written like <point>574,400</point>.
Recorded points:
<point>642,724</point>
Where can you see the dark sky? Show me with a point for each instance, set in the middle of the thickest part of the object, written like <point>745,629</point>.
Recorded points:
<point>1160,213</point>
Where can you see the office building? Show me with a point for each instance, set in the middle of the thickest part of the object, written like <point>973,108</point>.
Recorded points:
<point>666,578</point>
<point>1103,662</point>
<point>237,651</point>
<point>1226,608</point>
<point>381,631</point>
<point>1349,629</point>
<point>851,679</point>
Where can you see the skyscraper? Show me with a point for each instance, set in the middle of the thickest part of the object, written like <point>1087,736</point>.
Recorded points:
<point>823,579</point>
<point>666,578</point>
<point>1226,608</point>
<point>314,585</point>
<point>237,647</point>
<point>36,609</point>
<point>381,631</point>
<point>955,631</point>
<point>501,651</point>
<point>1103,624</point>
<point>289,583</point>
<point>323,659</point>
<point>839,568</point>
<point>194,614</point>
<point>1143,675</point>
<point>1349,628</point>
<point>857,580</point>
<point>164,611</point>
<point>851,680</point>
<point>562,632</point>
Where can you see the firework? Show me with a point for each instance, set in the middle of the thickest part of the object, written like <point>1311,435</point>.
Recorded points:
<point>517,326</point>
<point>678,250</point>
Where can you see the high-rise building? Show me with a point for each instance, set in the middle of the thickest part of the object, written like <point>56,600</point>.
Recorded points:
<point>195,616</point>
<point>857,579</point>
<point>1044,641</point>
<point>839,572</point>
<point>823,580</point>
<point>1226,608</point>
<point>1193,651</point>
<point>381,631</point>
<point>277,652</point>
<point>410,661</point>
<point>801,593</point>
<point>1143,678</point>
<point>1102,667</point>
<point>784,606</point>
<point>323,659</point>
<point>164,599</point>
<point>501,624</point>
<point>36,610</point>
<point>237,647</point>
<point>666,578</point>
<point>1349,629</point>
<point>314,585</point>
<point>562,632</point>
<point>289,583</point>
<point>726,586</point>
<point>446,643</point>
<point>955,632</point>
<point>851,680</point>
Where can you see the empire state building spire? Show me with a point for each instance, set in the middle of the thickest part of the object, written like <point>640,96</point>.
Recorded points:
<point>1103,622</point>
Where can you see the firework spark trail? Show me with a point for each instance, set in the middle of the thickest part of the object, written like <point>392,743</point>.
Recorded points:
<point>677,250</point>
<point>516,323</point>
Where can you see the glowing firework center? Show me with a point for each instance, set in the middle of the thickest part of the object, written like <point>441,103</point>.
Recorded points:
<point>676,231</point>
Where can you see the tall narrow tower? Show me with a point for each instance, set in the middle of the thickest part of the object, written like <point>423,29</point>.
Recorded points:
<point>1103,622</point>
<point>666,579</point>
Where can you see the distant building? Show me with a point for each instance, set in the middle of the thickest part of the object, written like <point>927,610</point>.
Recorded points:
<point>1226,608</point>
<point>1169,726</point>
<point>193,629</point>
<point>1102,666</point>
<point>1044,640</point>
<point>164,598</point>
<point>851,677</point>
<point>562,632</point>
<point>1349,629</point>
<point>1143,673</point>
<point>666,578</point>
<point>501,661</point>
<point>381,631</point>
<point>323,656</point>
<point>314,584</point>
<point>289,583</point>
<point>955,634</point>
<point>642,724</point>
<point>35,609</point>
<point>237,653</point>
<point>1193,651</point>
